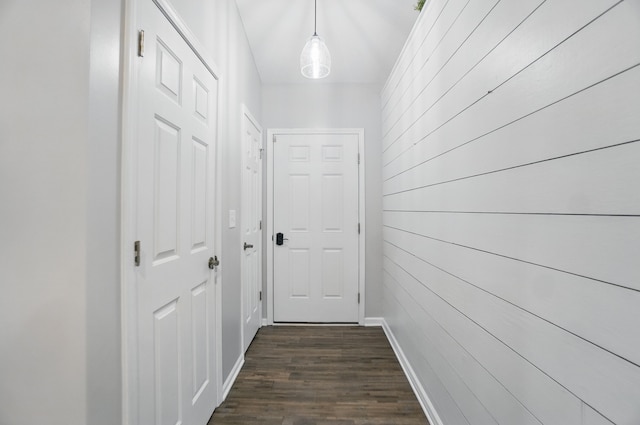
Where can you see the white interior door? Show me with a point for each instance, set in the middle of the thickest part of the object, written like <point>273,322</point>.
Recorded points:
<point>177,99</point>
<point>251,227</point>
<point>315,207</point>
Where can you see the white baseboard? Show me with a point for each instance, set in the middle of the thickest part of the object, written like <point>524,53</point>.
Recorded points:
<point>373,321</point>
<point>418,389</point>
<point>231,379</point>
<point>265,322</point>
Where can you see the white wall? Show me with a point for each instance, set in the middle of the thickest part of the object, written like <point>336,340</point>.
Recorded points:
<point>217,24</point>
<point>318,105</point>
<point>240,85</point>
<point>60,360</point>
<point>511,210</point>
<point>59,185</point>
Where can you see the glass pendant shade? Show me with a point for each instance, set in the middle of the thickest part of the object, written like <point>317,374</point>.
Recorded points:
<point>315,60</point>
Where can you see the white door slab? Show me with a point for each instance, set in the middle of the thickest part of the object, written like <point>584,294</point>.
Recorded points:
<point>251,227</point>
<point>315,207</point>
<point>176,124</point>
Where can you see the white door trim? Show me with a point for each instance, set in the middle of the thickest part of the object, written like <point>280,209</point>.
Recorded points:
<point>245,112</point>
<point>128,212</point>
<point>269,234</point>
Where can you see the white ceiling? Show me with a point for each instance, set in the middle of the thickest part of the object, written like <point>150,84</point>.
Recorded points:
<point>364,37</point>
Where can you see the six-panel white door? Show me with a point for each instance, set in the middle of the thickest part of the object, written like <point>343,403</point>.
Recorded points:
<point>177,98</point>
<point>315,207</point>
<point>251,227</point>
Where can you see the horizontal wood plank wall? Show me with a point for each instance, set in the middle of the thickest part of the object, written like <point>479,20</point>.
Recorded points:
<point>511,197</point>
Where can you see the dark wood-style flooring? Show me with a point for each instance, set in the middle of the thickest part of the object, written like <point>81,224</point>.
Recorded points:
<point>311,375</point>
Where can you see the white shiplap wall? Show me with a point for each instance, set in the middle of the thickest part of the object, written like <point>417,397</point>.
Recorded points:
<point>511,199</point>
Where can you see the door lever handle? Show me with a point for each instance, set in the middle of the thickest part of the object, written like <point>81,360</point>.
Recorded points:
<point>280,238</point>
<point>247,246</point>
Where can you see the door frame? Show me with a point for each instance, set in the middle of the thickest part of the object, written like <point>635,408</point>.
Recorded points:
<point>128,206</point>
<point>245,112</point>
<point>271,134</point>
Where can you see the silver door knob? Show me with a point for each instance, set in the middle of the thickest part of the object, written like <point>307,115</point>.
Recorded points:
<point>247,246</point>
<point>214,262</point>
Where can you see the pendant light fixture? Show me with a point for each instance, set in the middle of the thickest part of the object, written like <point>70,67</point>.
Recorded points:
<point>315,60</point>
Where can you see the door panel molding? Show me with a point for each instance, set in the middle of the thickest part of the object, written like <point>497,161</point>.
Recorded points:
<point>129,195</point>
<point>270,231</point>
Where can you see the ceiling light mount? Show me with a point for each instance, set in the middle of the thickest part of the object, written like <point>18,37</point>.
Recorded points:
<point>315,59</point>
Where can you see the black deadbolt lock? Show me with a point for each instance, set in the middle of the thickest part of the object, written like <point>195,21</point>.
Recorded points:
<point>279,238</point>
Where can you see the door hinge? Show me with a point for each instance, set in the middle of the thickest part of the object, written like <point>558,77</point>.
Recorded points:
<point>358,228</point>
<point>358,297</point>
<point>136,253</point>
<point>260,295</point>
<point>260,224</point>
<point>141,43</point>
<point>261,152</point>
<point>358,159</point>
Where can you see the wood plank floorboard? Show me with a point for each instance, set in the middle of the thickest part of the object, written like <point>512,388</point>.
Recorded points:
<point>312,375</point>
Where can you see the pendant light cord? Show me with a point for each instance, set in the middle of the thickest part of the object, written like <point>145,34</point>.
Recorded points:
<point>315,18</point>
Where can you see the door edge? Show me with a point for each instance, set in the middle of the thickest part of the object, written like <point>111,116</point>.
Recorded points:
<point>246,112</point>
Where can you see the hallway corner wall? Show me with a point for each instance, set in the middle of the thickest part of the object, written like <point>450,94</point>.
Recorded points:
<point>103,243</point>
<point>241,84</point>
<point>321,105</point>
<point>511,215</point>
